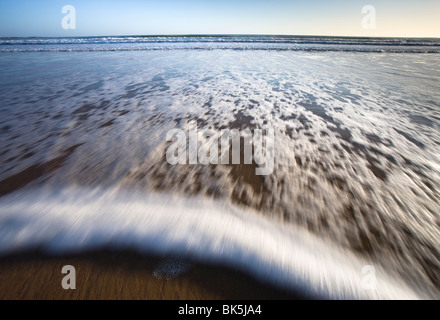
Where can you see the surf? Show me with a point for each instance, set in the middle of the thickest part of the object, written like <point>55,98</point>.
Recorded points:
<point>73,220</point>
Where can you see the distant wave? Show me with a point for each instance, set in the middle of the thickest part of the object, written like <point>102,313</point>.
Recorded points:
<point>134,43</point>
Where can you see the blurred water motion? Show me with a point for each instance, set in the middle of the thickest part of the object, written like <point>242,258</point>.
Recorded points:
<point>356,160</point>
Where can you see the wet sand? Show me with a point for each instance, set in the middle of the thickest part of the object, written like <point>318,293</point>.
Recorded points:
<point>124,275</point>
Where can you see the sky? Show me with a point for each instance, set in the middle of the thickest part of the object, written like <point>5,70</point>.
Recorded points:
<point>393,18</point>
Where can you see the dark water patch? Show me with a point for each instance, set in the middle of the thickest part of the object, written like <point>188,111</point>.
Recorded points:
<point>346,93</point>
<point>289,132</point>
<point>5,129</point>
<point>82,117</point>
<point>429,185</point>
<point>4,152</point>
<point>419,119</point>
<point>241,121</point>
<point>368,152</point>
<point>378,152</point>
<point>403,102</point>
<point>244,174</point>
<point>82,112</point>
<point>247,188</point>
<point>408,161</point>
<point>238,102</point>
<point>27,155</point>
<point>104,104</point>
<point>377,140</point>
<point>378,172</point>
<point>20,179</point>
<point>11,159</point>
<point>92,87</point>
<point>107,124</point>
<point>208,104</point>
<point>157,119</point>
<point>311,181</point>
<point>84,109</point>
<point>156,84</point>
<point>359,239</point>
<point>374,168</point>
<point>292,116</point>
<point>206,79</point>
<point>299,161</point>
<point>373,138</point>
<point>359,148</point>
<point>188,179</point>
<point>430,266</point>
<point>344,134</point>
<point>304,121</point>
<point>346,148</point>
<point>337,181</point>
<point>317,110</point>
<point>410,139</point>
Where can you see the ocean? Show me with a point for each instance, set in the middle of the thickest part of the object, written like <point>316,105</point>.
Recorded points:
<point>355,184</point>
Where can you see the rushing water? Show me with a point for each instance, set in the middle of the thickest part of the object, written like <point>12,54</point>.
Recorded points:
<point>356,178</point>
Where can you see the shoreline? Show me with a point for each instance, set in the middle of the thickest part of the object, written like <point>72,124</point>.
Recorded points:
<point>109,274</point>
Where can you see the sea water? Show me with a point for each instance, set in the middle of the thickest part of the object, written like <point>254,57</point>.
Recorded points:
<point>356,174</point>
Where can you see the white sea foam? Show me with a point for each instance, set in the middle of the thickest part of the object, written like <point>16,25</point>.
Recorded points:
<point>73,219</point>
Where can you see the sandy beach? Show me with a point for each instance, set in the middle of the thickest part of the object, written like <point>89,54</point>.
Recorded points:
<point>123,275</point>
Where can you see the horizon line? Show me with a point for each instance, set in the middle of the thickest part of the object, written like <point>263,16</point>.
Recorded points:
<point>230,35</point>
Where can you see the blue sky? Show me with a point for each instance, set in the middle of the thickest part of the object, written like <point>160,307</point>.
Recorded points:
<point>406,18</point>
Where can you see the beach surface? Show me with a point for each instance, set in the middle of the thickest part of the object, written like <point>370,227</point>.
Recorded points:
<point>122,275</point>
